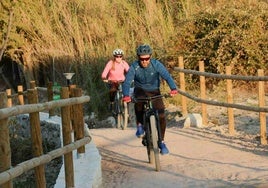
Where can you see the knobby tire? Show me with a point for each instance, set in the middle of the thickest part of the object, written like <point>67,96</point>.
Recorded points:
<point>121,115</point>
<point>149,146</point>
<point>125,115</point>
<point>154,137</point>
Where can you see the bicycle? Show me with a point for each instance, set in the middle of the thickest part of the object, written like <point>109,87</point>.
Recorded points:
<point>119,109</point>
<point>152,129</point>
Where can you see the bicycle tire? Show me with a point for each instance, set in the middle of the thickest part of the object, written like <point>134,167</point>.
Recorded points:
<point>154,136</point>
<point>121,116</point>
<point>116,112</point>
<point>125,115</point>
<point>120,121</point>
<point>149,147</point>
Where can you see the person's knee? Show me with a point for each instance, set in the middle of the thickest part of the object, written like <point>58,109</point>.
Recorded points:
<point>161,113</point>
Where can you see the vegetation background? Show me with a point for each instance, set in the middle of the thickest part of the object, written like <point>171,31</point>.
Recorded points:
<point>42,39</point>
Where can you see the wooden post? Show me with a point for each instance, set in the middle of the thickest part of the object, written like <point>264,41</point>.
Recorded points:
<point>203,93</point>
<point>72,112</point>
<point>262,115</point>
<point>20,95</point>
<point>67,139</point>
<point>182,87</point>
<point>230,100</point>
<point>78,119</point>
<point>5,151</point>
<point>9,98</point>
<point>36,139</point>
<point>50,97</point>
<point>32,84</point>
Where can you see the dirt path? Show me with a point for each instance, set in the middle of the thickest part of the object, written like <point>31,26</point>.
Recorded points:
<point>198,158</point>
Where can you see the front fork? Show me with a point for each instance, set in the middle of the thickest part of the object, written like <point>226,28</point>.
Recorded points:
<point>146,127</point>
<point>158,127</point>
<point>117,108</point>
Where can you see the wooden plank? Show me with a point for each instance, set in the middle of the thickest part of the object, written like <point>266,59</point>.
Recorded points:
<point>262,115</point>
<point>203,93</point>
<point>36,139</point>
<point>67,139</point>
<point>182,87</point>
<point>230,100</point>
<point>5,150</point>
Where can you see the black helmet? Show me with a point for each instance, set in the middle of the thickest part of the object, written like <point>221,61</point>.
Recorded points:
<point>144,49</point>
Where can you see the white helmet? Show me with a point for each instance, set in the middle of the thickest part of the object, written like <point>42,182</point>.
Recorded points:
<point>118,52</point>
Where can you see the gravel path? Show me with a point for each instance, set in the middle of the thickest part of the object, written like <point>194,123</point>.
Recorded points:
<point>198,158</point>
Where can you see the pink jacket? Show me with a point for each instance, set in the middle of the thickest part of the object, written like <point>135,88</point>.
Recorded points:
<point>116,74</point>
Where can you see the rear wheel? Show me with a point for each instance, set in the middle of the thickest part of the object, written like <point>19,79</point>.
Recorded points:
<point>154,136</point>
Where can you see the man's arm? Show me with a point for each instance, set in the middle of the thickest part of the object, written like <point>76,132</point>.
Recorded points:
<point>127,83</point>
<point>165,75</point>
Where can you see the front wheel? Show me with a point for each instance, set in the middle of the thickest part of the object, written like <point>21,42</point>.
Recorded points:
<point>125,115</point>
<point>120,121</point>
<point>122,115</point>
<point>154,137</point>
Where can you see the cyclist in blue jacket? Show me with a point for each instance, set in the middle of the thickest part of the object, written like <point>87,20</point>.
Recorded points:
<point>146,73</point>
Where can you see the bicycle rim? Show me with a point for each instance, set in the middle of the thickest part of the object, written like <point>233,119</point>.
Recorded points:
<point>149,146</point>
<point>154,142</point>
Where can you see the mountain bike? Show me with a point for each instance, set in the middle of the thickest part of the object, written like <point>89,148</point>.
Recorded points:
<point>152,129</point>
<point>119,108</point>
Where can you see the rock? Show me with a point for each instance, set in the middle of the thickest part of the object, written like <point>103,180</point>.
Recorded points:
<point>111,120</point>
<point>193,120</point>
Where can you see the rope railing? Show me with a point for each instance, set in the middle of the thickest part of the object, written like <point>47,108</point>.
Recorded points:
<point>228,105</point>
<point>223,76</point>
<point>261,108</point>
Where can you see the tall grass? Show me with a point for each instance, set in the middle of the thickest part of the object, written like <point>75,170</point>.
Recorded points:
<point>80,35</point>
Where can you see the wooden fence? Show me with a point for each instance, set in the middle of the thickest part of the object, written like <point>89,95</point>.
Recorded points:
<point>70,123</point>
<point>260,78</point>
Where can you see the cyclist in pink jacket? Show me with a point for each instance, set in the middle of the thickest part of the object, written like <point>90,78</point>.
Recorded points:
<point>114,72</point>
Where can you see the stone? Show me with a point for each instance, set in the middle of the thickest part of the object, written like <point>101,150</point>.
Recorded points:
<point>193,120</point>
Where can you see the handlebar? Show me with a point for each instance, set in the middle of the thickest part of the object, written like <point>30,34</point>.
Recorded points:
<point>113,81</point>
<point>147,99</point>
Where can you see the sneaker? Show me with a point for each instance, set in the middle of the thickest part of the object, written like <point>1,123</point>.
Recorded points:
<point>163,148</point>
<point>144,141</point>
<point>140,131</point>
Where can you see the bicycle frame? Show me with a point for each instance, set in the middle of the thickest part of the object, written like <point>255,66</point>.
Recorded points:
<point>150,111</point>
<point>152,129</point>
<point>120,110</point>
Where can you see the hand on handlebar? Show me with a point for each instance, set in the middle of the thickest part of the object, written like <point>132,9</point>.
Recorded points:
<point>127,99</point>
<point>112,81</point>
<point>173,92</point>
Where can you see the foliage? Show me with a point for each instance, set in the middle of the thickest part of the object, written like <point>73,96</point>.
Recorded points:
<point>230,35</point>
<point>79,35</point>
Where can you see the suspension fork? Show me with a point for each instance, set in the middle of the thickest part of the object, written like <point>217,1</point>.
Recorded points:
<point>158,126</point>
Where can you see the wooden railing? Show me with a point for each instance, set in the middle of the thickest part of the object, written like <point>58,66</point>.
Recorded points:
<point>74,122</point>
<point>260,78</point>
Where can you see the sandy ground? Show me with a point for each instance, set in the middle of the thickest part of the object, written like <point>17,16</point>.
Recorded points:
<point>199,157</point>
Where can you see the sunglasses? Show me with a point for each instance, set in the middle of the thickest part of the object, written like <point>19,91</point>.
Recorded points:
<point>144,59</point>
<point>118,56</point>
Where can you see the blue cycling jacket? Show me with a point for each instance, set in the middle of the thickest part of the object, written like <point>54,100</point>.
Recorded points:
<point>147,78</point>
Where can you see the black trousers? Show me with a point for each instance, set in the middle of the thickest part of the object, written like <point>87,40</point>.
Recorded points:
<point>158,104</point>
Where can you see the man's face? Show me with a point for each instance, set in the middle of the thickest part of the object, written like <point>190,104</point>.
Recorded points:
<point>144,60</point>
